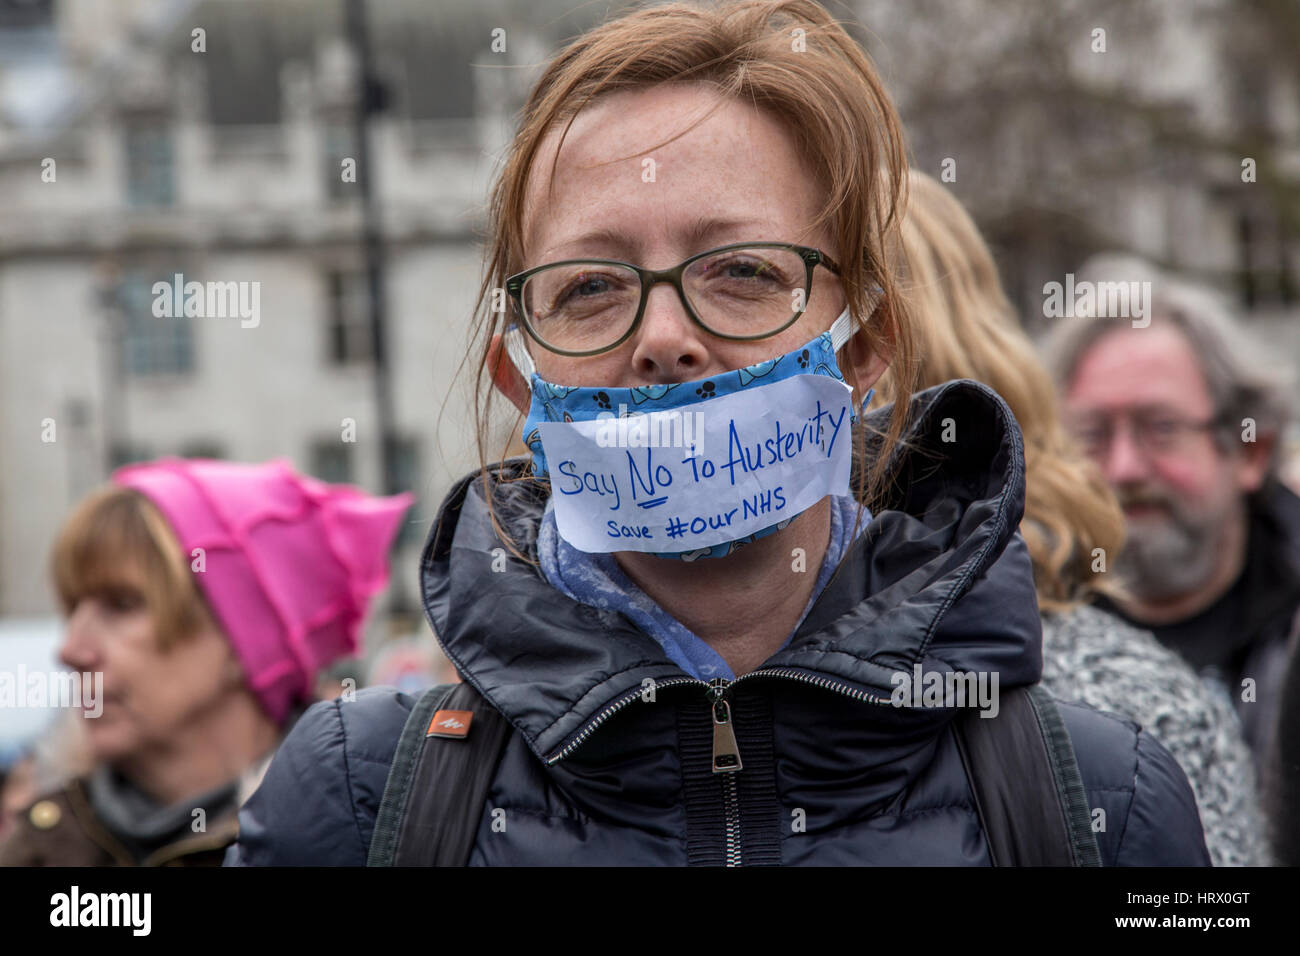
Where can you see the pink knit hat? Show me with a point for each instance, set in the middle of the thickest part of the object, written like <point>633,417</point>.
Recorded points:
<point>291,562</point>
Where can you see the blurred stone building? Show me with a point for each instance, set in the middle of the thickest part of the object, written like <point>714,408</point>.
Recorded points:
<point>1087,125</point>
<point>128,156</point>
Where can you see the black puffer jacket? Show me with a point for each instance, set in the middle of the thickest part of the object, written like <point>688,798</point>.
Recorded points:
<point>594,775</point>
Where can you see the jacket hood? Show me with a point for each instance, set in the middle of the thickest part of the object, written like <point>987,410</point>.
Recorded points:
<point>940,578</point>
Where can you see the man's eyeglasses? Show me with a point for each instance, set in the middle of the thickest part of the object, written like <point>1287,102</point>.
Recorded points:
<point>743,292</point>
<point>1153,434</point>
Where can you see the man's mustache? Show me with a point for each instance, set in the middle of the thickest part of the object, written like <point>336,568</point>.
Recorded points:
<point>1144,498</point>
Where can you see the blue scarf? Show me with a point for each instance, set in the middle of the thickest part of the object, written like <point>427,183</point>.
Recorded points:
<point>597,580</point>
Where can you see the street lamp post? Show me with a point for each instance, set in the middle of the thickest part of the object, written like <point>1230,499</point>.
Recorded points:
<point>371,99</point>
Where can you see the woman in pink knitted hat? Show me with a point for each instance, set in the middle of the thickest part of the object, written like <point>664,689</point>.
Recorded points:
<point>202,598</point>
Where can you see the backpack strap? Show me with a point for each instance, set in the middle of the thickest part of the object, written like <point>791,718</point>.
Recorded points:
<point>1047,824</point>
<point>439,779</point>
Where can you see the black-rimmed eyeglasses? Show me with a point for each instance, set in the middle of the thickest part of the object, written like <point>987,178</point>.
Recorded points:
<point>1153,433</point>
<point>744,291</point>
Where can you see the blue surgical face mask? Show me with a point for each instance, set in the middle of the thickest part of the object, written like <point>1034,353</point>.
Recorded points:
<point>572,404</point>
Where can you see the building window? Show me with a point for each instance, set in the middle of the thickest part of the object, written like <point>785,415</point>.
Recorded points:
<point>151,345</point>
<point>435,77</point>
<point>1264,268</point>
<point>150,165</point>
<point>341,144</point>
<point>249,45</point>
<point>26,14</point>
<point>349,318</point>
<point>331,460</point>
<point>203,449</point>
<point>404,465</point>
<point>128,453</point>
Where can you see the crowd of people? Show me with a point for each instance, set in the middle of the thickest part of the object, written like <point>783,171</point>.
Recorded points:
<point>1107,519</point>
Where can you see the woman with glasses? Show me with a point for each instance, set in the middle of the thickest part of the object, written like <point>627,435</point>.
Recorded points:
<point>715,616</point>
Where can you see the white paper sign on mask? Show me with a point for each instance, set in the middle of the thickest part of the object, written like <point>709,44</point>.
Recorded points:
<point>755,458</point>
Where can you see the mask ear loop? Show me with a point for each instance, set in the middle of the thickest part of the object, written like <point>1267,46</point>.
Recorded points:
<point>842,330</point>
<point>514,342</point>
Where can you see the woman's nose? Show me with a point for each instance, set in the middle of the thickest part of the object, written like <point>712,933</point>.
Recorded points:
<point>669,346</point>
<point>78,650</point>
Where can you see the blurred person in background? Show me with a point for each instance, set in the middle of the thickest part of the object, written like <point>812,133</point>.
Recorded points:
<point>1184,415</point>
<point>208,595</point>
<point>338,679</point>
<point>968,329</point>
<point>1282,781</point>
<point>411,664</point>
<point>1289,464</point>
<point>17,791</point>
<point>58,754</point>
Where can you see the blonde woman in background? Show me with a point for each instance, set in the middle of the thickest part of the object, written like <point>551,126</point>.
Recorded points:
<point>968,329</point>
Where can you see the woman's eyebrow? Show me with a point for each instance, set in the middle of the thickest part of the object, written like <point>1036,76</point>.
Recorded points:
<point>704,229</point>
<point>700,232</point>
<point>611,242</point>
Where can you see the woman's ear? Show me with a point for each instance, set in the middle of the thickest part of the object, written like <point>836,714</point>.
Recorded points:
<point>232,671</point>
<point>868,363</point>
<point>506,377</point>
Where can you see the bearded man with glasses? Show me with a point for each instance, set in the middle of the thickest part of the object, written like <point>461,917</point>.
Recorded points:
<point>1185,418</point>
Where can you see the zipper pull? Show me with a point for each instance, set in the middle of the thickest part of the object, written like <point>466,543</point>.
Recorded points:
<point>726,754</point>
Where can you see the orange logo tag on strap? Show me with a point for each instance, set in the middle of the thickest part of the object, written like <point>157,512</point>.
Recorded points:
<point>450,723</point>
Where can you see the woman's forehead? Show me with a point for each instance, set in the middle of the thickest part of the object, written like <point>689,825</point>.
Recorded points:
<point>619,188</point>
<point>96,572</point>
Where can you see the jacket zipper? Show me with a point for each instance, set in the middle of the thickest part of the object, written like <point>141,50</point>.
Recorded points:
<point>726,753</point>
<point>726,760</point>
<point>731,802</point>
<point>590,727</point>
<point>609,712</point>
